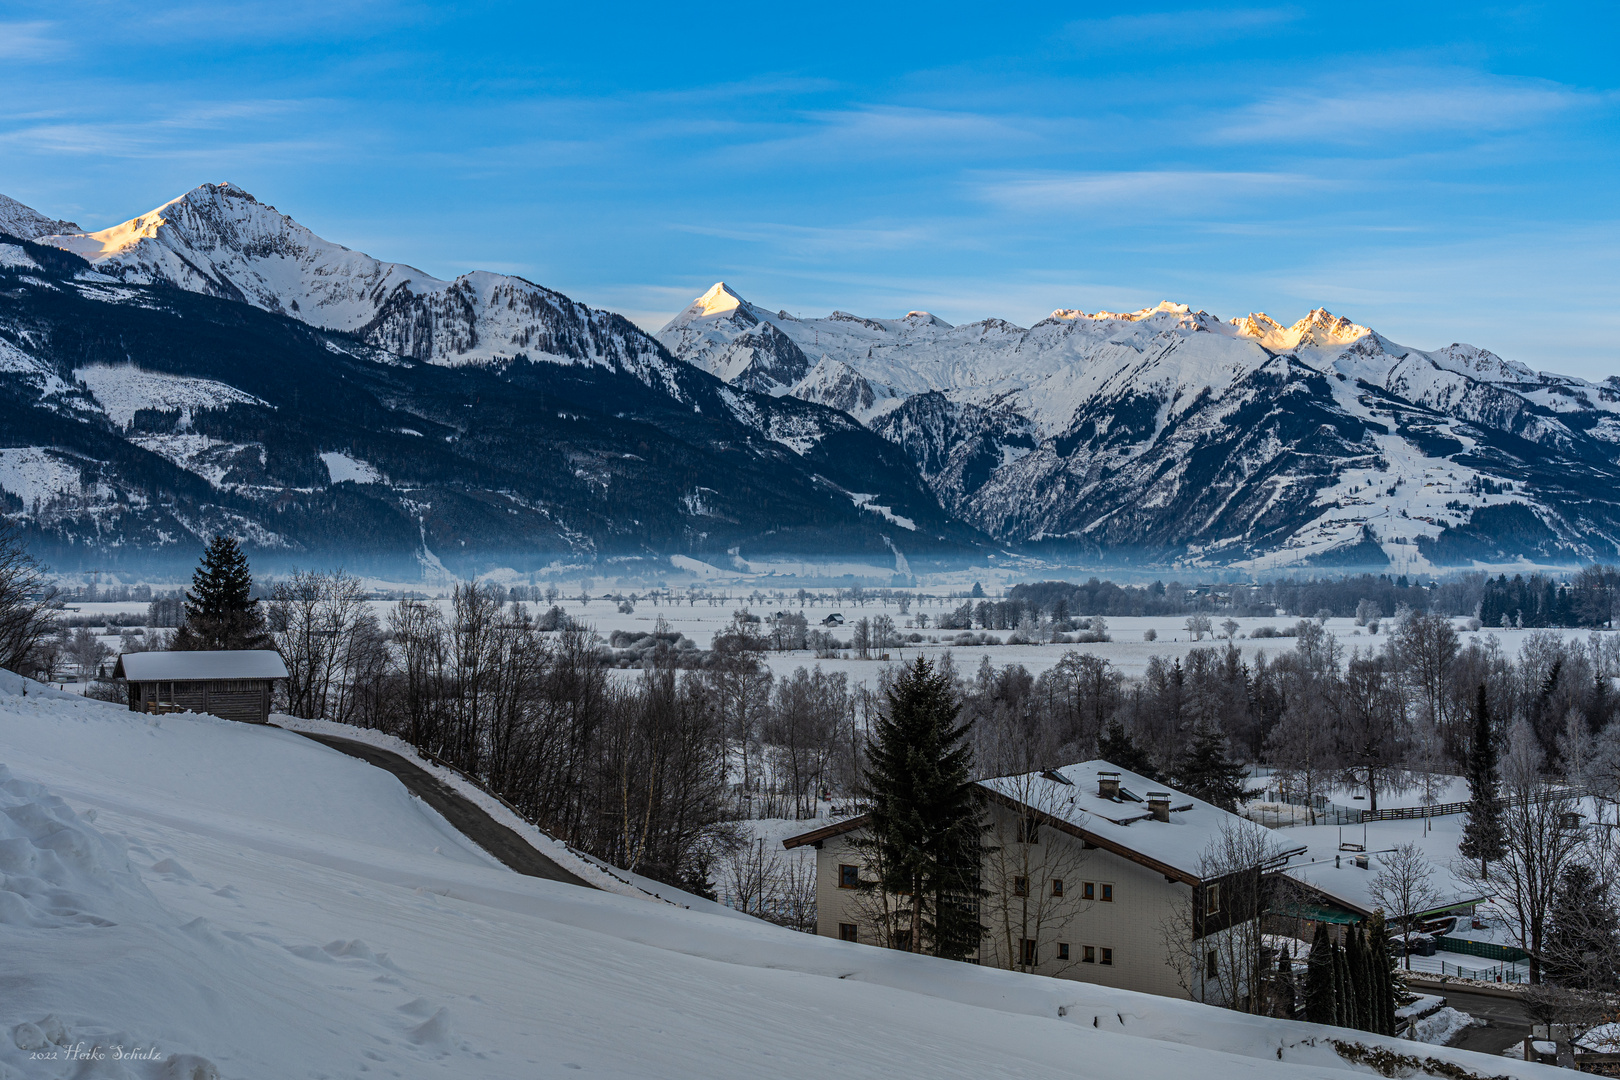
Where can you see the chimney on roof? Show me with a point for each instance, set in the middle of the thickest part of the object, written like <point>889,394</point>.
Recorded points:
<point>1159,803</point>
<point>1108,785</point>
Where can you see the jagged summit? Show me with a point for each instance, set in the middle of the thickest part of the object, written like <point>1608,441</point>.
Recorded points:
<point>1329,445</point>
<point>26,223</point>
<point>1320,328</point>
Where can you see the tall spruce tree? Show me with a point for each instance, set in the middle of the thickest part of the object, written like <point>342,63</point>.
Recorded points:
<point>1343,988</point>
<point>1321,987</point>
<point>1355,965</point>
<point>220,610</point>
<point>1482,836</point>
<point>1583,934</point>
<point>1385,985</point>
<point>926,826</point>
<point>1206,772</point>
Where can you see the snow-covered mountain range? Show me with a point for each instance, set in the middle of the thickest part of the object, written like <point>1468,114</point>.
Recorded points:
<point>1159,436</point>
<point>220,241</point>
<point>1170,433</point>
<point>215,365</point>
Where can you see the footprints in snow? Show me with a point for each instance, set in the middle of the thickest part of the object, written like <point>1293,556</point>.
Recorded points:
<point>424,1025</point>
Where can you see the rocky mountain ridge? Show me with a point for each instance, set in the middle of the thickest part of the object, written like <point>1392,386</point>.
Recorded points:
<point>1168,433</point>
<point>170,388</point>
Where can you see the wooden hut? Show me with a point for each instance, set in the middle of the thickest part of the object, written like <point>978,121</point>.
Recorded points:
<point>235,685</point>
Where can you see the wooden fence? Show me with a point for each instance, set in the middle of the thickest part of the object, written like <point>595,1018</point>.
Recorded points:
<point>1404,813</point>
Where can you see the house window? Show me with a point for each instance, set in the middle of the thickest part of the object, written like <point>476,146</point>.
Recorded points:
<point>1108,892</point>
<point>1020,886</point>
<point>1108,958</point>
<point>1029,952</point>
<point>1212,965</point>
<point>1088,890</point>
<point>1057,886</point>
<point>849,877</point>
<point>1088,954</point>
<point>1063,950</point>
<point>1212,899</point>
<point>847,932</point>
<point>1029,832</point>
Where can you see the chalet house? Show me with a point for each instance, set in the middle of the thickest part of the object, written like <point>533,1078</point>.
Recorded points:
<point>1098,874</point>
<point>1332,881</point>
<point>235,685</point>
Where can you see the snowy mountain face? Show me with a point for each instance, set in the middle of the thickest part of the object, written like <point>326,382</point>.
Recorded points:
<point>1168,433</point>
<point>29,224</point>
<point>220,241</point>
<point>137,418</point>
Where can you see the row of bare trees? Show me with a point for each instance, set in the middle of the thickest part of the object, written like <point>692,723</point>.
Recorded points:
<point>641,769</point>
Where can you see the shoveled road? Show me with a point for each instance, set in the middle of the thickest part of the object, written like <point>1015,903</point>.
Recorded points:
<point>468,818</point>
<point>1508,1021</point>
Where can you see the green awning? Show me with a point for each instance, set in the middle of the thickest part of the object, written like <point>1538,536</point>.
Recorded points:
<point>1320,913</point>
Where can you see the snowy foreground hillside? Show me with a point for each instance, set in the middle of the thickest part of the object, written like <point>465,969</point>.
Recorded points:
<point>241,902</point>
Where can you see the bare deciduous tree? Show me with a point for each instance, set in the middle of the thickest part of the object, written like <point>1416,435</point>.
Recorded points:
<point>1215,942</point>
<point>1538,844</point>
<point>1404,887</point>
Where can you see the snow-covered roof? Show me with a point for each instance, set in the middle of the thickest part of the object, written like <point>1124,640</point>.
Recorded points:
<point>1338,876</point>
<point>200,666</point>
<point>1125,825</point>
<point>1073,795</point>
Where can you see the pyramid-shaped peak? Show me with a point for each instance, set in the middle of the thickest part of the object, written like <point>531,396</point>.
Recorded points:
<point>719,300</point>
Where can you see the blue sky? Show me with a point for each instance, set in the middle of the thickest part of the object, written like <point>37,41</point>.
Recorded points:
<point>1441,172</point>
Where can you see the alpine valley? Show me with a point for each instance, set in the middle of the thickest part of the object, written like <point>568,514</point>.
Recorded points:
<point>213,365</point>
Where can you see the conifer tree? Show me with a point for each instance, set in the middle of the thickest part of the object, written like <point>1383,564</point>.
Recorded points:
<point>1206,772</point>
<point>1482,833</point>
<point>1385,987</point>
<point>927,819</point>
<point>1321,990</point>
<point>1355,966</point>
<point>1117,748</point>
<point>1343,988</point>
<point>220,610</point>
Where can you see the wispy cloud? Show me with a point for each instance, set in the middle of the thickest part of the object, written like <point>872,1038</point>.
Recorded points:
<point>1174,192</point>
<point>821,240</point>
<point>1394,103</point>
<point>1180,29</point>
<point>30,41</point>
<point>866,132</point>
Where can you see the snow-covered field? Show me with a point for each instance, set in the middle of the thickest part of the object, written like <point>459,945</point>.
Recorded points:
<point>237,901</point>
<point>1128,652</point>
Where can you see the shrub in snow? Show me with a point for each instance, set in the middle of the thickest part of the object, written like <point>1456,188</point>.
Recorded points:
<point>1150,634</point>
<point>554,619</point>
